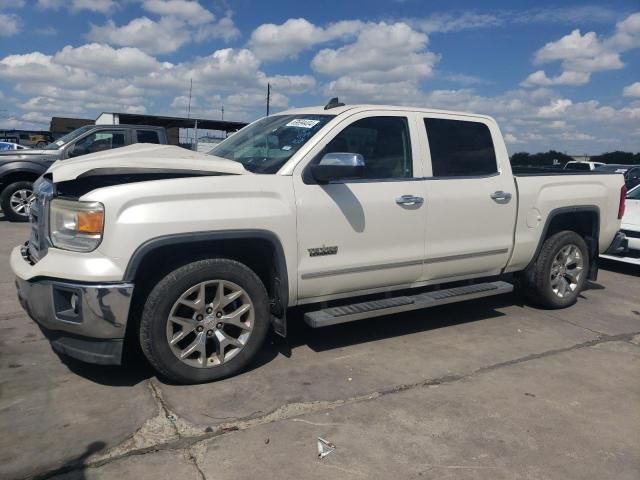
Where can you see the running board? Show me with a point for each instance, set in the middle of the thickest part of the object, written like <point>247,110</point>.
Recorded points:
<point>387,306</point>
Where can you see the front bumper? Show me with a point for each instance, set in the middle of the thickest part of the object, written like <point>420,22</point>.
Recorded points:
<point>84,321</point>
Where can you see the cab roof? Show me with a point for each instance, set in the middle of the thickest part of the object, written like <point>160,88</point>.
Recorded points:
<point>320,110</point>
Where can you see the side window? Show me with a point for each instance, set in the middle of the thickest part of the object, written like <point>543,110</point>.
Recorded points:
<point>382,141</point>
<point>460,148</point>
<point>99,141</point>
<point>147,136</point>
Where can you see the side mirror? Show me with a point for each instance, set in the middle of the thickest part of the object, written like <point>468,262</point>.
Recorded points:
<point>338,166</point>
<point>76,150</point>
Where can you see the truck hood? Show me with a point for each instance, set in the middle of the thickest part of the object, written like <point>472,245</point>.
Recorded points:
<point>143,158</point>
<point>28,155</point>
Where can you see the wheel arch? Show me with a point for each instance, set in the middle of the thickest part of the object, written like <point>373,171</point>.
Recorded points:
<point>582,219</point>
<point>16,173</point>
<point>260,250</point>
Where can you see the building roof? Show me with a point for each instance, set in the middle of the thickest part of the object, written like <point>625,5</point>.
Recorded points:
<point>177,122</point>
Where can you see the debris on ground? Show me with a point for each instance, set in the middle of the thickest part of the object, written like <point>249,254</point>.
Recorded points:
<point>324,447</point>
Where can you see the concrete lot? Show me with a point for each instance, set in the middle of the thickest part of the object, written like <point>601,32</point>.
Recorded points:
<point>488,389</point>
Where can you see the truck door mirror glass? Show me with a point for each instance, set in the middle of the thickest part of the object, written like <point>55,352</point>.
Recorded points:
<point>75,150</point>
<point>338,166</point>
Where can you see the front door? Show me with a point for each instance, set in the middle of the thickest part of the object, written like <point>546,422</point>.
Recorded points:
<point>356,235</point>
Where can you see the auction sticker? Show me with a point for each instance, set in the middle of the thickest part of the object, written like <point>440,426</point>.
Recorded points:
<point>302,123</point>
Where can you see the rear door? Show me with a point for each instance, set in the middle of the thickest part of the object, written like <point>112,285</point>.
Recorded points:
<point>471,203</point>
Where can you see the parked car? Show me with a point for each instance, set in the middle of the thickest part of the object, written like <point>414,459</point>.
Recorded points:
<point>582,165</point>
<point>631,173</point>
<point>4,146</point>
<point>18,170</point>
<point>631,229</point>
<point>197,256</point>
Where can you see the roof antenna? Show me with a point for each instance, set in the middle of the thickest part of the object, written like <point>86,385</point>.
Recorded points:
<point>333,103</point>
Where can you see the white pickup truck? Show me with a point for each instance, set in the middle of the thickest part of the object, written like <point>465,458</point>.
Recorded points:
<point>197,257</point>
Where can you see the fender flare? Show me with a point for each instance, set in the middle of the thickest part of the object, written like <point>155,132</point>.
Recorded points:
<point>21,167</point>
<point>280,301</point>
<point>593,246</point>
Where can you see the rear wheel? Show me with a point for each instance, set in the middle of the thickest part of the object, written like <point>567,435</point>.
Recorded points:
<point>560,272</point>
<point>16,201</point>
<point>204,321</point>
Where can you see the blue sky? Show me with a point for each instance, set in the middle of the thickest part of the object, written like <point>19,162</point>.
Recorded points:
<point>562,75</point>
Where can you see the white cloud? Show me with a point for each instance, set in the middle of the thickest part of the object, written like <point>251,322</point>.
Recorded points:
<point>453,22</point>
<point>540,79</point>
<point>580,55</point>
<point>632,90</point>
<point>180,23</point>
<point>106,60</point>
<point>292,83</point>
<point>102,6</point>
<point>555,109</point>
<point>11,24</point>
<point>474,19</point>
<point>14,4</point>
<point>277,42</point>
<point>164,36</point>
<point>385,62</point>
<point>190,11</point>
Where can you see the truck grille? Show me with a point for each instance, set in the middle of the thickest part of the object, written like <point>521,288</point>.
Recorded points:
<point>38,245</point>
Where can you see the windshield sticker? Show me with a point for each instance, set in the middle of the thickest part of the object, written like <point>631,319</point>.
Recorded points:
<point>303,123</point>
<point>59,143</point>
<point>286,147</point>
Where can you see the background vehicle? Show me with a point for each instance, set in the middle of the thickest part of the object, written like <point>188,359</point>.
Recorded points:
<point>30,139</point>
<point>631,173</point>
<point>18,170</point>
<point>198,256</point>
<point>631,229</point>
<point>582,165</point>
<point>11,146</point>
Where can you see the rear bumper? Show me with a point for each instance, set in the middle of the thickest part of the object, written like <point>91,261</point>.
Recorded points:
<point>619,245</point>
<point>84,321</point>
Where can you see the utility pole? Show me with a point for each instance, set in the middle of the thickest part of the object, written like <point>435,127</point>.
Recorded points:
<point>189,107</point>
<point>268,97</point>
<point>222,110</point>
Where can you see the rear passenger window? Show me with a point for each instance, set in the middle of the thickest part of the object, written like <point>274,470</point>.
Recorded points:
<point>460,148</point>
<point>148,136</point>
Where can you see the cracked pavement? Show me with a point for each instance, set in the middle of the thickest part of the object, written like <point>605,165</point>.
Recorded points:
<point>486,389</point>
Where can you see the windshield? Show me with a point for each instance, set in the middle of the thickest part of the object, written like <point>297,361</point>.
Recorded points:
<point>266,145</point>
<point>68,137</point>
<point>634,194</point>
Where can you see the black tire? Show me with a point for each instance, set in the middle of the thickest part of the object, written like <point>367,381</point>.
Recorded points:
<point>153,325</point>
<point>539,285</point>
<point>5,203</point>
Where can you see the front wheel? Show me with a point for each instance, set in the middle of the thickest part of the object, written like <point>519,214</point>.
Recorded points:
<point>205,321</point>
<point>560,271</point>
<point>16,201</point>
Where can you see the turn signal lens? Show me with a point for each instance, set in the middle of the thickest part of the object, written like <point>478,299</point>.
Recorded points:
<point>90,222</point>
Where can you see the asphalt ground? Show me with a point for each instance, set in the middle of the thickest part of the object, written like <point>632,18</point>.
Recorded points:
<point>487,389</point>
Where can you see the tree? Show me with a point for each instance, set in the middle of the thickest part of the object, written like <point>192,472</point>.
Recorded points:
<point>625,158</point>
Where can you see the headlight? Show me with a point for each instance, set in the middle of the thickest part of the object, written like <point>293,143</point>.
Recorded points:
<point>76,225</point>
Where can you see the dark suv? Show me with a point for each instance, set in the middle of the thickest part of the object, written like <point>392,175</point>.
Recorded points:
<point>19,169</point>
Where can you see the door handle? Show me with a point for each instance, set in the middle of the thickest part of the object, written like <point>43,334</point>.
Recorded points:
<point>501,196</point>
<point>409,200</point>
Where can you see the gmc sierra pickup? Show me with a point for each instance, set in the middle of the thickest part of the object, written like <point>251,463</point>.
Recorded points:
<point>19,169</point>
<point>353,211</point>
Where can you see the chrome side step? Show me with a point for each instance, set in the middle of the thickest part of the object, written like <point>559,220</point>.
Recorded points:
<point>377,308</point>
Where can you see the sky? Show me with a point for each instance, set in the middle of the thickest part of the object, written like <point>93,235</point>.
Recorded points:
<point>561,75</point>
